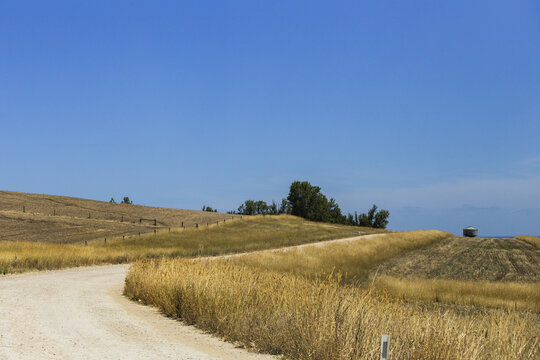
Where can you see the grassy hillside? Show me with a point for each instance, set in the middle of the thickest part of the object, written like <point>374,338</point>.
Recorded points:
<point>466,271</point>
<point>306,304</point>
<point>352,260</point>
<point>237,235</point>
<point>60,219</point>
<point>533,240</point>
<point>460,258</point>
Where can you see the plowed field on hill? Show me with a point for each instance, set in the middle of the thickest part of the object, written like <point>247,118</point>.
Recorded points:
<point>61,219</point>
<point>462,258</point>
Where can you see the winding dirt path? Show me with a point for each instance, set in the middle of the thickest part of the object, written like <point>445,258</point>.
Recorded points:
<point>80,313</point>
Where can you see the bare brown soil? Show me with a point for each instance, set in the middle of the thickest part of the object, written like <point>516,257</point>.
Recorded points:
<point>60,219</point>
<point>462,258</point>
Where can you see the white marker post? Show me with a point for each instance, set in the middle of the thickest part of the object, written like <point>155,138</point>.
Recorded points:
<point>385,346</point>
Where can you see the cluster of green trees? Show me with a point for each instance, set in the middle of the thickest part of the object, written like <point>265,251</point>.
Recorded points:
<point>307,201</point>
<point>252,207</point>
<point>125,200</point>
<point>208,208</point>
<point>373,218</point>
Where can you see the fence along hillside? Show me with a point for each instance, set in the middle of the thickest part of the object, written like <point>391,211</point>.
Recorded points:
<point>37,217</point>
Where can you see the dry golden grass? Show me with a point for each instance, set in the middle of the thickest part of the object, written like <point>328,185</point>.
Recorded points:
<point>469,259</point>
<point>423,252</point>
<point>507,295</point>
<point>234,236</point>
<point>322,318</point>
<point>533,240</point>
<point>352,259</point>
<point>502,273</point>
<point>61,219</point>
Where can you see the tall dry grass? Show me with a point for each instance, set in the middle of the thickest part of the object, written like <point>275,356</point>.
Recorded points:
<point>533,240</point>
<point>235,236</point>
<point>321,318</point>
<point>352,259</point>
<point>507,295</point>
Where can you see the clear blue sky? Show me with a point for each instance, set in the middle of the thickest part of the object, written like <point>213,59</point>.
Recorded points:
<point>429,109</point>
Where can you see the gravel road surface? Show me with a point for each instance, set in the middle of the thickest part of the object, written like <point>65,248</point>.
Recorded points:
<point>81,314</point>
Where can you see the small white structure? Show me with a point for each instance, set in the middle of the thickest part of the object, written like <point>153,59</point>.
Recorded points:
<point>470,231</point>
<point>385,347</point>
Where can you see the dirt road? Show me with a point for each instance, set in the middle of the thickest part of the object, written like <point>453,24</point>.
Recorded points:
<point>81,314</point>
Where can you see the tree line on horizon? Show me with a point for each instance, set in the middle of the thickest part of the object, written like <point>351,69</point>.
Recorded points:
<point>125,200</point>
<point>307,201</point>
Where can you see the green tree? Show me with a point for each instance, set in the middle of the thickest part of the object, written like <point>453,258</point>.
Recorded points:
<point>308,202</point>
<point>126,200</point>
<point>335,213</point>
<point>273,209</point>
<point>247,208</point>
<point>252,207</point>
<point>112,201</point>
<point>374,218</point>
<point>301,197</point>
<point>285,207</point>
<point>371,214</point>
<point>381,219</point>
<point>261,207</point>
<point>363,220</point>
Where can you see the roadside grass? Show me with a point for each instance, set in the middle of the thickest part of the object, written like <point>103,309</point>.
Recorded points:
<point>533,240</point>
<point>233,236</point>
<point>319,317</point>
<point>506,295</point>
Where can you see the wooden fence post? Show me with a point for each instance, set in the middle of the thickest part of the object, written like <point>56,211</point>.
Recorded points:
<point>196,226</point>
<point>24,209</point>
<point>105,242</point>
<point>155,222</point>
<point>85,243</point>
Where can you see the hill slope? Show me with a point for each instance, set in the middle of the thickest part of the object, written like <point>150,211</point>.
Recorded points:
<point>61,219</point>
<point>461,258</point>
